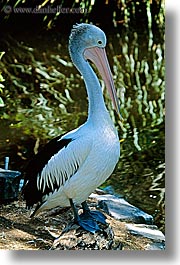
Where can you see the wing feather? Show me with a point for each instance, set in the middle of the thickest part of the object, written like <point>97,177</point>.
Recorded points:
<point>57,162</point>
<point>63,165</point>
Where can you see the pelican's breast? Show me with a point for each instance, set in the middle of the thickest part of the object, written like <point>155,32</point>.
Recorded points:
<point>106,150</point>
<point>98,166</point>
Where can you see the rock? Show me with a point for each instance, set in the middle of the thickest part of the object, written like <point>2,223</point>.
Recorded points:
<point>149,231</point>
<point>74,238</point>
<point>156,246</point>
<point>120,209</point>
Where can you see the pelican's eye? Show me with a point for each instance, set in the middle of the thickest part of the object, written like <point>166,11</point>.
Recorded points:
<point>99,42</point>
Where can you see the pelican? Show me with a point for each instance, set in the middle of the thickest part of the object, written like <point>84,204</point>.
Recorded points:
<point>70,167</point>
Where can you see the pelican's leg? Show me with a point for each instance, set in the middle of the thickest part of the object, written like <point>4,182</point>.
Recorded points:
<point>97,215</point>
<point>85,221</point>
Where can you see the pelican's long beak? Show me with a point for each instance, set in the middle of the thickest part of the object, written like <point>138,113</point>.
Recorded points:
<point>99,58</point>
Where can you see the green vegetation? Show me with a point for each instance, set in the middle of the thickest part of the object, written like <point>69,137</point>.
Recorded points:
<point>119,12</point>
<point>1,84</point>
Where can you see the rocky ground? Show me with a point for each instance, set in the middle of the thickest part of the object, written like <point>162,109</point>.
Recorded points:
<point>54,230</point>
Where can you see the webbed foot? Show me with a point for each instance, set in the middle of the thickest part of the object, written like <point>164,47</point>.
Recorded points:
<point>85,220</point>
<point>88,223</point>
<point>96,215</point>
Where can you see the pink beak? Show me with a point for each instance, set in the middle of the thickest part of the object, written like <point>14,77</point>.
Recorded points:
<point>98,57</point>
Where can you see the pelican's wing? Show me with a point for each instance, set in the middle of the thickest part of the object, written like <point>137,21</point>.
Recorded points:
<point>53,166</point>
<point>63,165</point>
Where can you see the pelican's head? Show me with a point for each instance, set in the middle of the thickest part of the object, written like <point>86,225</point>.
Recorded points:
<point>89,41</point>
<point>86,36</point>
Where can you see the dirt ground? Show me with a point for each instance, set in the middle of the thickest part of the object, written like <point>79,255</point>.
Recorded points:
<point>54,230</point>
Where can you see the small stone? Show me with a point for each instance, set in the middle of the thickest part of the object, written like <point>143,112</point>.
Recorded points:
<point>156,246</point>
<point>148,231</point>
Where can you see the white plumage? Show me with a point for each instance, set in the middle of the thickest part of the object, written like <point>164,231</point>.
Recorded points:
<point>74,165</point>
